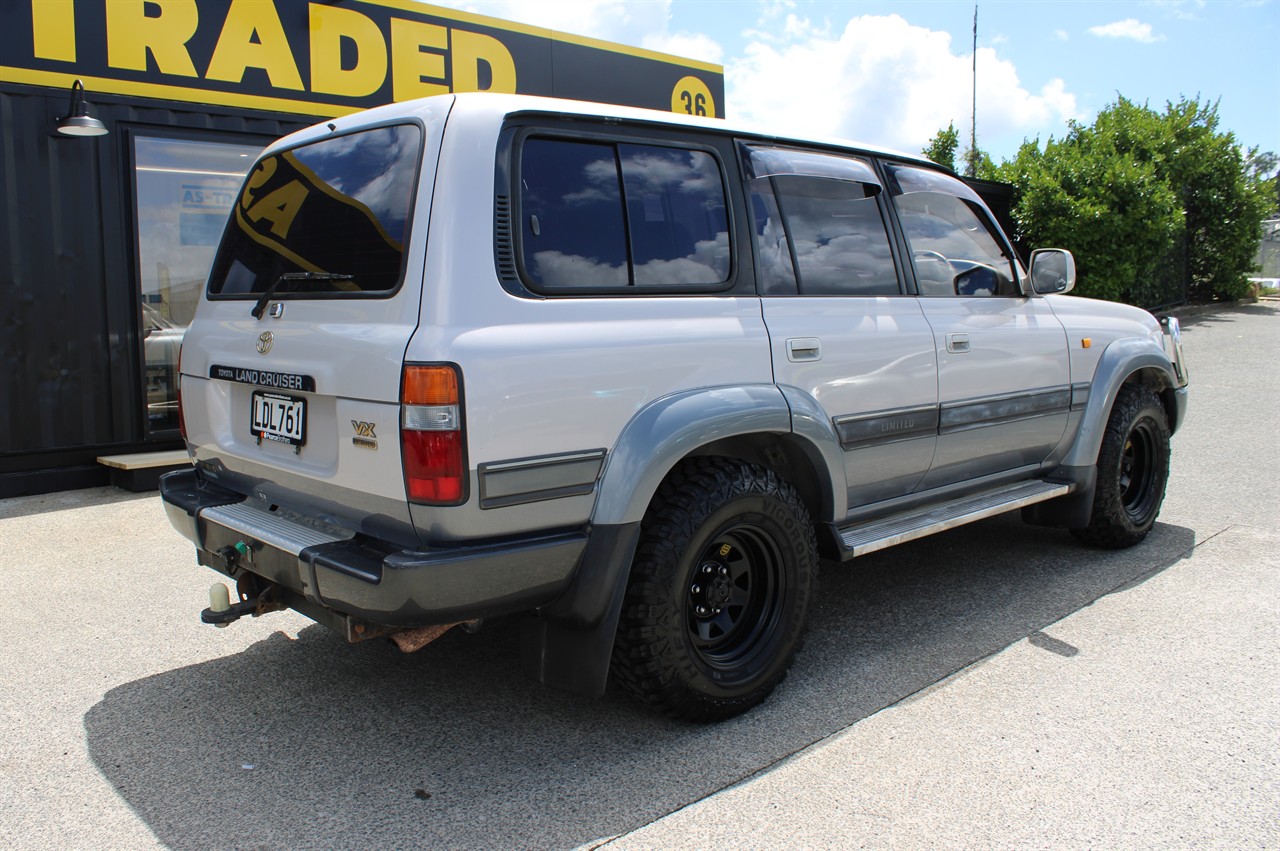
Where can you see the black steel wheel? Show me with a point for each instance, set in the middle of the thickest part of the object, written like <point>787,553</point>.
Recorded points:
<point>1133,469</point>
<point>719,591</point>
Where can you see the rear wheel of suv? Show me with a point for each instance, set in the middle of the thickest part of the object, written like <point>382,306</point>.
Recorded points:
<point>718,596</point>
<point>1133,469</point>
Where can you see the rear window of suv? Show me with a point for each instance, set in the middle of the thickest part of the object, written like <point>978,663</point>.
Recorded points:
<point>622,217</point>
<point>327,217</point>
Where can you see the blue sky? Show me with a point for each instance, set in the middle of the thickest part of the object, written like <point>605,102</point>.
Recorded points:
<point>894,73</point>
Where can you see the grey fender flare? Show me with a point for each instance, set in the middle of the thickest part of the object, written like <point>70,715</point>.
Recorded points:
<point>820,442</point>
<point>665,431</point>
<point>1121,359</point>
<point>570,644</point>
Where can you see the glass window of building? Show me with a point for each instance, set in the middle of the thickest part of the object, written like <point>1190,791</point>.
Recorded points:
<point>183,191</point>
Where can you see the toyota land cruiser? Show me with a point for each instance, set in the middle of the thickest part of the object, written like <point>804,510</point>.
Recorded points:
<point>627,375</point>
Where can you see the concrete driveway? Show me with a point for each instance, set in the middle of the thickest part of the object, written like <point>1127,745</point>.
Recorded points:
<point>995,686</point>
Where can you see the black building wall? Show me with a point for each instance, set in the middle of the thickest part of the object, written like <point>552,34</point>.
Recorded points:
<point>70,346</point>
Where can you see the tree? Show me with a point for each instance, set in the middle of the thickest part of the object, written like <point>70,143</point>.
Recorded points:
<point>942,147</point>
<point>1111,210</point>
<point>1138,191</point>
<point>978,163</point>
<point>1261,167</point>
<point>1224,210</point>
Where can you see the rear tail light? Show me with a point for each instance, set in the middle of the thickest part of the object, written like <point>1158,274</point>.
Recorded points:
<point>431,439</point>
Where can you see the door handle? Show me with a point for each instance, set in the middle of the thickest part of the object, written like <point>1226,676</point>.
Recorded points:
<point>957,343</point>
<point>804,348</point>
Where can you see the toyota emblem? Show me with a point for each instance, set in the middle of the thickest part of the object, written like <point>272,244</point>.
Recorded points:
<point>264,342</point>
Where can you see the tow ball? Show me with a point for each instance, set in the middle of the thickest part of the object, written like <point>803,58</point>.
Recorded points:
<point>221,612</point>
<point>251,597</point>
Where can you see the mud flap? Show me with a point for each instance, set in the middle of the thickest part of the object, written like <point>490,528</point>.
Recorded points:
<point>567,645</point>
<point>1066,512</point>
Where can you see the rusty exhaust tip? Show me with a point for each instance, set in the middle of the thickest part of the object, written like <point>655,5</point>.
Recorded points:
<point>410,640</point>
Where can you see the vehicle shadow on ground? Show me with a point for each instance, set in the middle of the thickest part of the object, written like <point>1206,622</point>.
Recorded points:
<point>311,743</point>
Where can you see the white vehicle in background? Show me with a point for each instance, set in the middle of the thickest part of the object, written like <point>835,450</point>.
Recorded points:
<point>627,375</point>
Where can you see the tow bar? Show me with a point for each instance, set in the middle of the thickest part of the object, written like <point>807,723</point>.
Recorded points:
<point>221,612</point>
<point>254,596</point>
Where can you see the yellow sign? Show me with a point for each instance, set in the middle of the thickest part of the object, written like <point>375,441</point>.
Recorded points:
<point>319,58</point>
<point>692,97</point>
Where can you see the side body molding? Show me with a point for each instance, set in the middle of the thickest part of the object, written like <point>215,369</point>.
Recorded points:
<point>664,432</point>
<point>1121,359</point>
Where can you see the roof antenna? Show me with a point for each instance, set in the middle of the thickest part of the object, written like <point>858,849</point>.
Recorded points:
<point>971,168</point>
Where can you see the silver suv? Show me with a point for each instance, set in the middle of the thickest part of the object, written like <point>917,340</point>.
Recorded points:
<point>627,375</point>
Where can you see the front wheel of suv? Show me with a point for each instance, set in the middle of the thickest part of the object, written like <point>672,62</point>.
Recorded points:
<point>719,591</point>
<point>1133,469</point>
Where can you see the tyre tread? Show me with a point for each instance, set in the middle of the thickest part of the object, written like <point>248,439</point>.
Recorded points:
<point>1110,526</point>
<point>642,655</point>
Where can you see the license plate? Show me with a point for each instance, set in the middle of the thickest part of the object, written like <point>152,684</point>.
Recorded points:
<point>278,418</point>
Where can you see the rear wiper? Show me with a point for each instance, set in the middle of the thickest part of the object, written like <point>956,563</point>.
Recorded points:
<point>261,305</point>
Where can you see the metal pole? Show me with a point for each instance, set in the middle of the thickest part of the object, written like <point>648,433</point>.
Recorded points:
<point>972,169</point>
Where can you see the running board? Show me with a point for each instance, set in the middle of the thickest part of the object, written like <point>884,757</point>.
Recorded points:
<point>900,528</point>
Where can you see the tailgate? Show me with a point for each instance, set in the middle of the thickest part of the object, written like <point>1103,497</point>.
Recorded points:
<point>291,370</point>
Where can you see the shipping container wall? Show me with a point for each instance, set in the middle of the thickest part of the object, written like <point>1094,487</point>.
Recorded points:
<point>72,381</point>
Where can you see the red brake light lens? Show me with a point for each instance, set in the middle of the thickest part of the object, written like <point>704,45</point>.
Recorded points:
<point>433,466</point>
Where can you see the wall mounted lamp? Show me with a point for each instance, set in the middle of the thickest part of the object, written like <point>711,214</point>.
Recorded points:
<point>78,121</point>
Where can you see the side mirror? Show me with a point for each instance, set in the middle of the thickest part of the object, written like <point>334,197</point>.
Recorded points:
<point>1053,270</point>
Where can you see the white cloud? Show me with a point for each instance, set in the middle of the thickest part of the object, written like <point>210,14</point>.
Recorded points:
<point>1128,28</point>
<point>687,45</point>
<point>1061,35</point>
<point>874,78</point>
<point>999,39</point>
<point>886,82</point>
<point>1179,9</point>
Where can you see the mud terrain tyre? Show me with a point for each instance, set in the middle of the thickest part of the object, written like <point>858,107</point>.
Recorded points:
<point>718,597</point>
<point>1133,469</point>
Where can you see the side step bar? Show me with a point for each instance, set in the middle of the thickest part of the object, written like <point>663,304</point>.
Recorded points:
<point>900,528</point>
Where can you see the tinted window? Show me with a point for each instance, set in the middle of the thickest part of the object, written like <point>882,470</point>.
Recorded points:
<point>953,244</point>
<point>773,251</point>
<point>818,225</point>
<point>604,215</point>
<point>338,207</point>
<point>839,240</point>
<point>571,201</point>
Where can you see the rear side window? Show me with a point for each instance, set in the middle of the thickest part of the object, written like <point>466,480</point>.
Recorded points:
<point>328,217</point>
<point>606,216</point>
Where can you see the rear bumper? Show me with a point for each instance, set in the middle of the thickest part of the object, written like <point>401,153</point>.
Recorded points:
<point>357,576</point>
